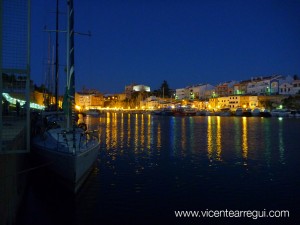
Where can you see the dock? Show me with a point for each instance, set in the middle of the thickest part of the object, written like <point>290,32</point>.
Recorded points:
<point>13,181</point>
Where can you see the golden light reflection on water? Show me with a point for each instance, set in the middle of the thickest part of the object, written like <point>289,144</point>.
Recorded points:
<point>209,137</point>
<point>192,134</point>
<point>237,135</point>
<point>142,132</point>
<point>134,131</point>
<point>219,137</point>
<point>122,131</point>
<point>148,132</point>
<point>138,133</point>
<point>214,138</point>
<point>159,136</point>
<point>108,130</point>
<point>114,135</point>
<point>183,134</point>
<point>128,130</point>
<point>245,138</point>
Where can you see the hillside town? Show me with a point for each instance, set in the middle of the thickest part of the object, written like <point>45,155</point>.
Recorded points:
<point>269,92</point>
<point>265,92</point>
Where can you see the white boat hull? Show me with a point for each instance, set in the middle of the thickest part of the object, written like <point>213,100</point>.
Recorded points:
<point>71,167</point>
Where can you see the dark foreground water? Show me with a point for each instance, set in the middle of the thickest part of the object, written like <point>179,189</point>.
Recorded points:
<point>150,166</point>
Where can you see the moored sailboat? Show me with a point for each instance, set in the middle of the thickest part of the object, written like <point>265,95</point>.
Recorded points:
<point>69,150</point>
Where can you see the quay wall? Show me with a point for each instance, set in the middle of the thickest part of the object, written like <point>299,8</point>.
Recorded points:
<point>12,185</point>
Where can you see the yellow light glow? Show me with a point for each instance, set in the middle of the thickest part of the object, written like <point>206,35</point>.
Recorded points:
<point>245,138</point>
<point>77,107</point>
<point>219,138</point>
<point>209,138</point>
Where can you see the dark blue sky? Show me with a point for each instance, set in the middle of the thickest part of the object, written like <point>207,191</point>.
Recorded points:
<point>184,42</point>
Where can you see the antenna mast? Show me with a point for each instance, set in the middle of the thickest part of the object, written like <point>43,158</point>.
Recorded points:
<point>56,59</point>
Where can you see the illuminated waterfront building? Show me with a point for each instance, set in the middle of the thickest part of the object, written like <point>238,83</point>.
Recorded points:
<point>267,85</point>
<point>130,89</point>
<point>233,102</point>
<point>180,94</point>
<point>199,91</point>
<point>87,100</point>
<point>296,87</point>
<point>225,89</point>
<point>241,87</point>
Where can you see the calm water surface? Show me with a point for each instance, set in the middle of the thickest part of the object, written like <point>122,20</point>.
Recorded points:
<point>149,166</point>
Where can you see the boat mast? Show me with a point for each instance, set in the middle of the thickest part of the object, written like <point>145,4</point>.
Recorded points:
<point>70,64</point>
<point>56,59</point>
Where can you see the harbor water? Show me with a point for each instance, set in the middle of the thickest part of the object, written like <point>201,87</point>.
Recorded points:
<point>150,166</point>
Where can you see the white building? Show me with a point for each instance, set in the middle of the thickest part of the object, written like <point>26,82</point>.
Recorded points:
<point>201,91</point>
<point>234,101</point>
<point>141,87</point>
<point>296,87</point>
<point>285,88</point>
<point>180,93</point>
<point>151,102</point>
<point>129,89</point>
<point>267,85</point>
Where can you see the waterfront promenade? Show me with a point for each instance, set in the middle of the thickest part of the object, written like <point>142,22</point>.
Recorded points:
<point>12,181</point>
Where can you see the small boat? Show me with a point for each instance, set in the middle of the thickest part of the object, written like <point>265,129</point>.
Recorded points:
<point>239,112</point>
<point>167,112</point>
<point>201,112</point>
<point>157,112</point>
<point>256,112</point>
<point>209,113</point>
<point>184,111</point>
<point>280,112</point>
<point>93,112</point>
<point>265,113</point>
<point>295,113</point>
<point>189,112</point>
<point>225,112</point>
<point>247,112</point>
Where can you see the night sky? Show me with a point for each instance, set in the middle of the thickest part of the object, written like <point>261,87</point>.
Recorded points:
<point>184,42</point>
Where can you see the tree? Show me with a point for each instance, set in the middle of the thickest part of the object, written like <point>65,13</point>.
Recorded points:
<point>164,89</point>
<point>266,104</point>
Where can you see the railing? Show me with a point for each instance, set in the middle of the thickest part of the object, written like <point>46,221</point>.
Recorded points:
<point>66,138</point>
